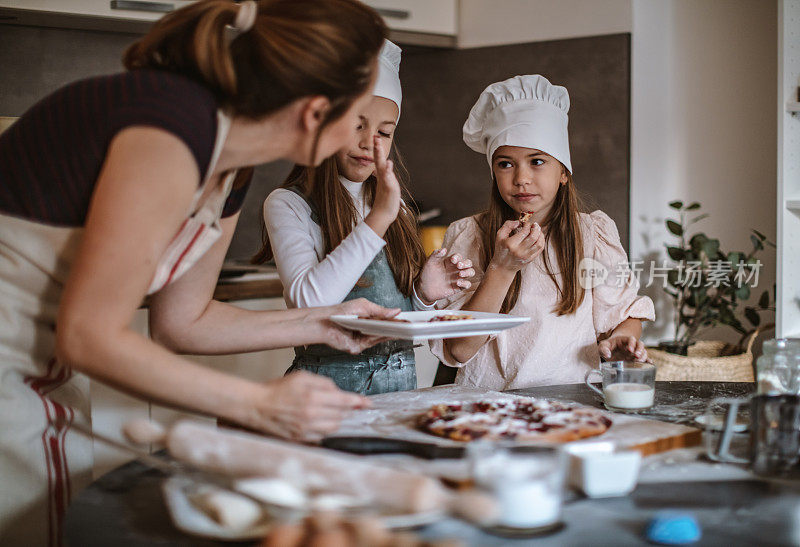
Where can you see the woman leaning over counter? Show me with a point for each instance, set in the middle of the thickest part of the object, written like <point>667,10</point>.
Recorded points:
<point>127,185</point>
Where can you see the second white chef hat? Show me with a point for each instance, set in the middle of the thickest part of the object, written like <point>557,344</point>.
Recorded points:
<point>387,84</point>
<point>525,111</point>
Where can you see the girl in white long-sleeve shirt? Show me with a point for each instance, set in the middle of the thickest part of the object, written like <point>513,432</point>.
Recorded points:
<point>343,232</point>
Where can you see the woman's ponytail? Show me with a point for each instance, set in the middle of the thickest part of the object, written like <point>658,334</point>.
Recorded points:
<point>295,48</point>
<point>192,41</point>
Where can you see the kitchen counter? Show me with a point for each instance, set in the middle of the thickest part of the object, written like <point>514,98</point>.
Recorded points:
<point>125,508</point>
<point>246,282</point>
<point>249,289</point>
<point>254,286</point>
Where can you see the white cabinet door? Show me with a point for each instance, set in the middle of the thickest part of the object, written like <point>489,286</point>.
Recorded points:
<point>424,16</point>
<point>121,15</point>
<point>122,9</point>
<point>411,20</point>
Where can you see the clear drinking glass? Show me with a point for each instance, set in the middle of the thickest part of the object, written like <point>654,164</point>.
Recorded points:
<point>627,386</point>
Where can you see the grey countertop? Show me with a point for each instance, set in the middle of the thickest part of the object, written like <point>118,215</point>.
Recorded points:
<point>125,508</point>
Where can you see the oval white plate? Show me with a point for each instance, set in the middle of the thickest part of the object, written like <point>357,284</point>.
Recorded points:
<point>420,327</point>
<point>191,520</point>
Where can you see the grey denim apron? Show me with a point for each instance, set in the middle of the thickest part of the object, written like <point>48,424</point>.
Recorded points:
<point>383,368</point>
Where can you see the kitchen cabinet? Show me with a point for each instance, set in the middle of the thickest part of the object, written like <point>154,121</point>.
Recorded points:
<point>788,243</point>
<point>422,22</point>
<point>435,23</point>
<point>419,21</point>
<point>111,15</point>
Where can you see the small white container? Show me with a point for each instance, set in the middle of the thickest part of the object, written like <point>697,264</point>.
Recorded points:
<point>600,472</point>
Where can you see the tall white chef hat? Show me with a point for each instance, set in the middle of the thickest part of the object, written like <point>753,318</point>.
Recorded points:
<point>387,84</point>
<point>522,111</point>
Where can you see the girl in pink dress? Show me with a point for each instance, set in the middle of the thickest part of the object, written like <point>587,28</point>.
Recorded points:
<point>563,268</point>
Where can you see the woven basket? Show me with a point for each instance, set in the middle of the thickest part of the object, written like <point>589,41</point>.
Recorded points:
<point>707,361</point>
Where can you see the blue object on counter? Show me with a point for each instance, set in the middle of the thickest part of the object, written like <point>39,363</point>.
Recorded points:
<point>673,528</point>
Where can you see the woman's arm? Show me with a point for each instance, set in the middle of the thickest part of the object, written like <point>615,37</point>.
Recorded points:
<point>185,319</point>
<point>512,252</point>
<point>140,200</point>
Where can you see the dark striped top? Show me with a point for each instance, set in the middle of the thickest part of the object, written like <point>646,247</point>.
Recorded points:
<point>51,157</point>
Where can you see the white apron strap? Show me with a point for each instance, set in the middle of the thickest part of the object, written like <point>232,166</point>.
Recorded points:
<point>200,231</point>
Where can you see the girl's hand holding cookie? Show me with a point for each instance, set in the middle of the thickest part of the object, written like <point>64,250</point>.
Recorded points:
<point>517,244</point>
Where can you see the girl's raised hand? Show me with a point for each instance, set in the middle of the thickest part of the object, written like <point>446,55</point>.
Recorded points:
<point>443,276</point>
<point>387,192</point>
<point>623,348</point>
<point>517,243</point>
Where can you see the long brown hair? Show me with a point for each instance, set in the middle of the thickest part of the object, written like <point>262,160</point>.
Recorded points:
<point>337,216</point>
<point>562,227</point>
<point>296,48</point>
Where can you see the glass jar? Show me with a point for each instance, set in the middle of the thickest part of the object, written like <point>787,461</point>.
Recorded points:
<point>778,368</point>
<point>528,487</point>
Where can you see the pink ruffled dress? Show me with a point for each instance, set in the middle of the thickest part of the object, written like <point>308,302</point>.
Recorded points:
<point>550,349</point>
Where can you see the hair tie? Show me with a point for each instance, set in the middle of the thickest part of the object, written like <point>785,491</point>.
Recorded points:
<point>246,16</point>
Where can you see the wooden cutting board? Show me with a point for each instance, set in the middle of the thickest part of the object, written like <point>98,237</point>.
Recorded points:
<point>393,415</point>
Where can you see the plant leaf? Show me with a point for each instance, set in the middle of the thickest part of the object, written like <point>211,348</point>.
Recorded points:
<point>711,248</point>
<point>675,253</point>
<point>676,204</point>
<point>763,301</point>
<point>693,206</point>
<point>675,228</point>
<point>672,277</point>
<point>743,292</point>
<point>698,218</point>
<point>761,236</point>
<point>697,242</point>
<point>757,244</point>
<point>752,316</point>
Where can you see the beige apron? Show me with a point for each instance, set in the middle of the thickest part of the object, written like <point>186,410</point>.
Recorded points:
<point>42,463</point>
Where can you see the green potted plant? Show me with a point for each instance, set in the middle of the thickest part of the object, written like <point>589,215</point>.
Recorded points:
<point>709,286</point>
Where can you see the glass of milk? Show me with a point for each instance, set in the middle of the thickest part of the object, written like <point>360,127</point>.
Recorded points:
<point>627,386</point>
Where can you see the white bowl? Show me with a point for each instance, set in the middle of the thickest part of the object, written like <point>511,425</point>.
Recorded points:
<point>600,472</point>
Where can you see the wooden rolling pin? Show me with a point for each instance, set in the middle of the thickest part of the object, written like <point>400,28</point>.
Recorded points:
<point>241,454</point>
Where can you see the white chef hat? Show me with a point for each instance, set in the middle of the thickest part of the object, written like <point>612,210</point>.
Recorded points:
<point>522,111</point>
<point>387,84</point>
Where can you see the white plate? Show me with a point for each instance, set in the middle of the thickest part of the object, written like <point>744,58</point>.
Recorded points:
<point>420,327</point>
<point>189,519</point>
